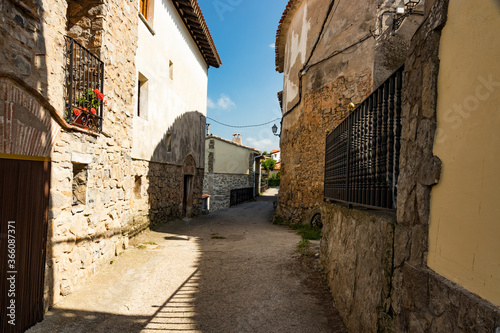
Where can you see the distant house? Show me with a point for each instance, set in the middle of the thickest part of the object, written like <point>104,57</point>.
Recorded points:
<point>229,165</point>
<point>276,155</point>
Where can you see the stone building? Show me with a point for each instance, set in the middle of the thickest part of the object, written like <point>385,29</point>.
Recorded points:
<point>427,262</point>
<point>73,180</point>
<point>229,165</point>
<point>331,54</point>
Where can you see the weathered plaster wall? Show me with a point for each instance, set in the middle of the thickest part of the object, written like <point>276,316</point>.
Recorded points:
<point>169,98</point>
<point>334,77</point>
<point>327,89</point>
<point>463,246</point>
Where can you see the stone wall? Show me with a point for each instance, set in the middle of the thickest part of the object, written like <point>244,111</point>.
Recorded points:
<point>332,80</point>
<point>401,294</point>
<point>99,195</point>
<point>315,102</point>
<point>22,41</point>
<point>303,144</point>
<point>86,22</point>
<point>83,237</point>
<point>219,186</point>
<point>356,251</point>
<point>158,193</point>
<point>422,300</point>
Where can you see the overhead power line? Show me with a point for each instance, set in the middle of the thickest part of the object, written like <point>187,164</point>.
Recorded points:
<point>243,126</point>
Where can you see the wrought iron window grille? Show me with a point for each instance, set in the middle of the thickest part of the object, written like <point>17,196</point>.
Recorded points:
<point>362,152</point>
<point>84,87</point>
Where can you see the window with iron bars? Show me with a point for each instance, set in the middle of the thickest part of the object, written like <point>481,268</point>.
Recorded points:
<point>362,152</point>
<point>84,87</point>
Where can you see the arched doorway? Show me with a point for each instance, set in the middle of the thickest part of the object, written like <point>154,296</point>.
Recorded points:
<point>27,132</point>
<point>189,174</point>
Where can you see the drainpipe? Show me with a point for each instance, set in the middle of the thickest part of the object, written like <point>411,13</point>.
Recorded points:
<point>254,169</point>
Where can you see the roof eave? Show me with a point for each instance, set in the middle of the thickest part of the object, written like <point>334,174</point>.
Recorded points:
<point>191,14</point>
<point>282,31</point>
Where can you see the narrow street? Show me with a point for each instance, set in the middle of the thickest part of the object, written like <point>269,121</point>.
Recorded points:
<point>229,271</point>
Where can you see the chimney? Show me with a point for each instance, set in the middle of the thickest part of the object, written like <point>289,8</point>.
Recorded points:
<point>237,138</point>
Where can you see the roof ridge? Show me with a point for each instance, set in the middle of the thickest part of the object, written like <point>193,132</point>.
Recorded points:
<point>232,142</point>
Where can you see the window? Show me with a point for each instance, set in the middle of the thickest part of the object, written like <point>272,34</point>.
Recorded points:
<point>138,186</point>
<point>79,184</point>
<point>142,97</point>
<point>171,70</point>
<point>146,10</point>
<point>169,142</point>
<point>144,7</point>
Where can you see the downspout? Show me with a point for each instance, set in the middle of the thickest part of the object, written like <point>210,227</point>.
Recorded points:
<point>254,169</point>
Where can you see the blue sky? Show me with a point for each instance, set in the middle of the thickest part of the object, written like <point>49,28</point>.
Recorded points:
<point>243,90</point>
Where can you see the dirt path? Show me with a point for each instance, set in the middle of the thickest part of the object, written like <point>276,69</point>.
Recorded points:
<point>230,271</point>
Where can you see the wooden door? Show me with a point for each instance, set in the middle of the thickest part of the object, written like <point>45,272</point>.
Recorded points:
<point>24,201</point>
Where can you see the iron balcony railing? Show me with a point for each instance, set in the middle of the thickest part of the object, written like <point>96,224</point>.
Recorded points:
<point>240,195</point>
<point>84,87</point>
<point>362,152</point>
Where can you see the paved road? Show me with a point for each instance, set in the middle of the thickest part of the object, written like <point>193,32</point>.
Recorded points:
<point>229,271</point>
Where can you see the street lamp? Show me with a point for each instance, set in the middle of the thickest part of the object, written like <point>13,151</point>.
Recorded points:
<point>275,129</point>
<point>403,12</point>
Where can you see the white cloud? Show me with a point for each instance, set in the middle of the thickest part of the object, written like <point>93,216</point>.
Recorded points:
<point>273,45</point>
<point>210,104</point>
<point>262,144</point>
<point>224,102</point>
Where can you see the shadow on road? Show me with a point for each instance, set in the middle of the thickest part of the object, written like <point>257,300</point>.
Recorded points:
<point>234,271</point>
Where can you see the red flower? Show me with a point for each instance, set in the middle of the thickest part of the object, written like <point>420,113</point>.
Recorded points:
<point>76,112</point>
<point>100,96</point>
<point>96,91</point>
<point>85,109</point>
<point>94,111</point>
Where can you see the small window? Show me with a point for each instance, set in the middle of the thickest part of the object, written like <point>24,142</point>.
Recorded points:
<point>138,186</point>
<point>79,184</point>
<point>145,8</point>
<point>171,69</point>
<point>142,97</point>
<point>169,142</point>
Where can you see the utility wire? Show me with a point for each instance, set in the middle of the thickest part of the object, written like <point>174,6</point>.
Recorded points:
<point>243,126</point>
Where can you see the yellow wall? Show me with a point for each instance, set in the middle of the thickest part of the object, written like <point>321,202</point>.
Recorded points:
<point>464,236</point>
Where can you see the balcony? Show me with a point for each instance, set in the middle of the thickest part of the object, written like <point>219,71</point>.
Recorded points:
<point>362,152</point>
<point>84,87</point>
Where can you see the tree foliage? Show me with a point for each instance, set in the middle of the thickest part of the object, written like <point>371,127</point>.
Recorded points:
<point>269,164</point>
